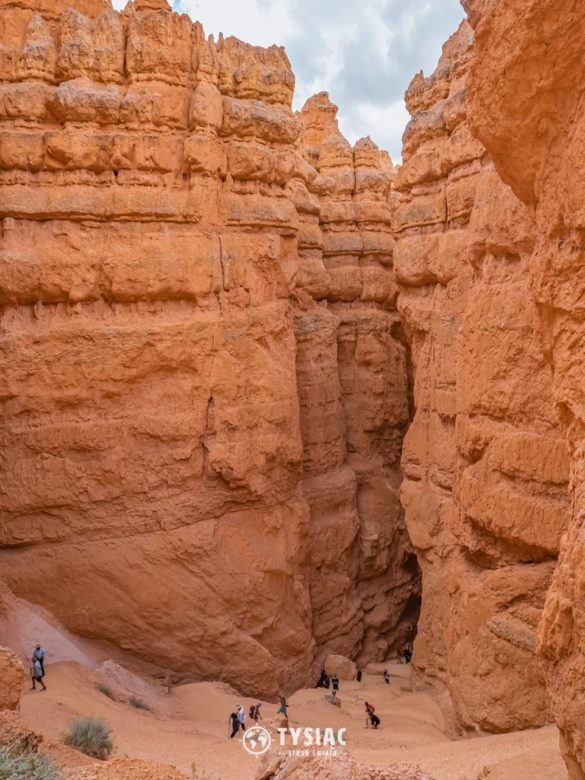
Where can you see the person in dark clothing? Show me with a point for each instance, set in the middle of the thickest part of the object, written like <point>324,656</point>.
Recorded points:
<point>334,686</point>
<point>358,675</point>
<point>323,681</point>
<point>234,721</point>
<point>37,675</point>
<point>408,653</point>
<point>386,676</point>
<point>371,717</point>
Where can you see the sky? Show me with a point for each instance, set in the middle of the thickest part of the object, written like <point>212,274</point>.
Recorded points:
<point>363,52</point>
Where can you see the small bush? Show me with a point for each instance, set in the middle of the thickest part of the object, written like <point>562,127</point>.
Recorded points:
<point>15,765</point>
<point>106,690</point>
<point>138,704</point>
<point>91,736</point>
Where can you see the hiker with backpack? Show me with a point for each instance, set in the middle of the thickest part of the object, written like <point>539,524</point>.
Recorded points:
<point>371,717</point>
<point>254,712</point>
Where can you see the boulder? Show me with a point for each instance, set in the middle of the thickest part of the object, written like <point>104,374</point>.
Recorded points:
<point>340,666</point>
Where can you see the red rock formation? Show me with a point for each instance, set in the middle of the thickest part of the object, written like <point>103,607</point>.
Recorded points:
<point>12,679</point>
<point>164,237</point>
<point>485,467</point>
<point>532,124</point>
<point>151,446</point>
<point>353,386</point>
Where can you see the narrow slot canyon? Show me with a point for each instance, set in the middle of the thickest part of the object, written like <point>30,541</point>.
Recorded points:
<point>274,404</point>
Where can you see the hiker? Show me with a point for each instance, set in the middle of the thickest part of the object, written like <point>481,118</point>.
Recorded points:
<point>358,674</point>
<point>283,708</point>
<point>334,686</point>
<point>241,716</point>
<point>323,681</point>
<point>386,676</point>
<point>371,717</point>
<point>234,721</point>
<point>407,653</point>
<point>39,655</point>
<point>254,712</point>
<point>37,675</point>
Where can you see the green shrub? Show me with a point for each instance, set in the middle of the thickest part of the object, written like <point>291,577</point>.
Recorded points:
<point>138,704</point>
<point>15,765</point>
<point>91,736</point>
<point>106,690</point>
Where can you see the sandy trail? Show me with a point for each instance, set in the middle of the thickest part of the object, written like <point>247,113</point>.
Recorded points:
<point>188,726</point>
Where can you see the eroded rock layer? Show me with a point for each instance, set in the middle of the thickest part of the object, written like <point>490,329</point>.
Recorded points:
<point>485,466</point>
<point>165,477</point>
<point>535,132</point>
<point>353,377</point>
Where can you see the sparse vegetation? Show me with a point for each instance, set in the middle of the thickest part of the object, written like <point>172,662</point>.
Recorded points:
<point>91,736</point>
<point>16,765</point>
<point>138,704</point>
<point>106,690</point>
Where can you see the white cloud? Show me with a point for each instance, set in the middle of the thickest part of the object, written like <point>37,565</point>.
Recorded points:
<point>363,52</point>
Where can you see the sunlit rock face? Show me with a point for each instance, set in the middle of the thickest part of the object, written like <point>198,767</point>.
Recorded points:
<point>534,131</point>
<point>485,466</point>
<point>200,450</point>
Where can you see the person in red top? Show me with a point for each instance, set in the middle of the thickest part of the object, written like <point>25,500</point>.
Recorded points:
<point>371,716</point>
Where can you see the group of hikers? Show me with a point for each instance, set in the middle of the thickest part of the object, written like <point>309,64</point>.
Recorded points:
<point>237,719</point>
<point>37,669</point>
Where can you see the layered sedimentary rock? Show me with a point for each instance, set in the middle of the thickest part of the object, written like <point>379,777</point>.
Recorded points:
<point>152,449</point>
<point>534,131</point>
<point>485,466</point>
<point>353,387</point>
<point>167,485</point>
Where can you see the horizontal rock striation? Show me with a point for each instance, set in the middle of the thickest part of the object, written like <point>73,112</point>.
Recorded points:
<point>353,374</point>
<point>181,445</point>
<point>485,467</point>
<point>534,132</point>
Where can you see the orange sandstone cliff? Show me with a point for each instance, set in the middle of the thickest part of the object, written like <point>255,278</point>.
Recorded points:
<point>200,444</point>
<point>485,466</point>
<point>242,361</point>
<point>532,124</point>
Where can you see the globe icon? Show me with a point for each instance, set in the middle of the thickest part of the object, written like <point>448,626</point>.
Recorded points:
<point>256,740</point>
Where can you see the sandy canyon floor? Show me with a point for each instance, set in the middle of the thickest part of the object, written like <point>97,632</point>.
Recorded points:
<point>188,726</point>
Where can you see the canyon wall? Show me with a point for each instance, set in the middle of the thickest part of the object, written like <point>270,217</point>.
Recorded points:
<point>533,125</point>
<point>354,390</point>
<point>200,445</point>
<point>485,466</point>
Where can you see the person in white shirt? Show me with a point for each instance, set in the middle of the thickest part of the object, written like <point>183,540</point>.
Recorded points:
<point>241,716</point>
<point>39,655</point>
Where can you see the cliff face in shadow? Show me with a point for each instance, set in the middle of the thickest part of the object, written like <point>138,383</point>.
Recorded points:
<point>534,131</point>
<point>485,466</point>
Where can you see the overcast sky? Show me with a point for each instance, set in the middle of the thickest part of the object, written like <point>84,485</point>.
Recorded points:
<point>363,52</point>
